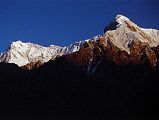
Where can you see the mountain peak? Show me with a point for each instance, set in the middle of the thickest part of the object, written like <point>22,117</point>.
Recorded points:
<point>116,22</point>
<point>19,45</point>
<point>122,32</point>
<point>25,53</point>
<point>121,18</point>
<point>16,43</point>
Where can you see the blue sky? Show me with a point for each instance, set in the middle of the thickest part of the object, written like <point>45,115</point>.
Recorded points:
<point>62,22</point>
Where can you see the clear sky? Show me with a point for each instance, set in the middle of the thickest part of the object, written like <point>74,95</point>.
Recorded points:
<point>62,22</point>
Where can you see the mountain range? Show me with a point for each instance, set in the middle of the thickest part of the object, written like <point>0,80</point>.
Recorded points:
<point>121,35</point>
<point>111,75</point>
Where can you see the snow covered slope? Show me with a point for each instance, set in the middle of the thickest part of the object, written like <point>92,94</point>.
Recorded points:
<point>24,53</point>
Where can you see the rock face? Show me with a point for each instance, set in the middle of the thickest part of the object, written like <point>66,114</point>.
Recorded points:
<point>123,43</point>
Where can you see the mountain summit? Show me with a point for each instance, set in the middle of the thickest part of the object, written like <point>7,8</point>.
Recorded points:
<point>25,53</point>
<point>122,42</point>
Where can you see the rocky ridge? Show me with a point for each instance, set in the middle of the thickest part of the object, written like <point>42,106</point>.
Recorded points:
<point>123,42</point>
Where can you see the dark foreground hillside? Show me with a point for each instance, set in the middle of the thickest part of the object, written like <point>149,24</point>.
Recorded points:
<point>61,90</point>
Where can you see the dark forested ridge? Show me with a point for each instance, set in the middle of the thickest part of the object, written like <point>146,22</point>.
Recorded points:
<point>60,89</point>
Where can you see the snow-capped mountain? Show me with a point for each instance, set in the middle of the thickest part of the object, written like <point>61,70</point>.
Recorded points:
<point>24,53</point>
<point>121,33</point>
